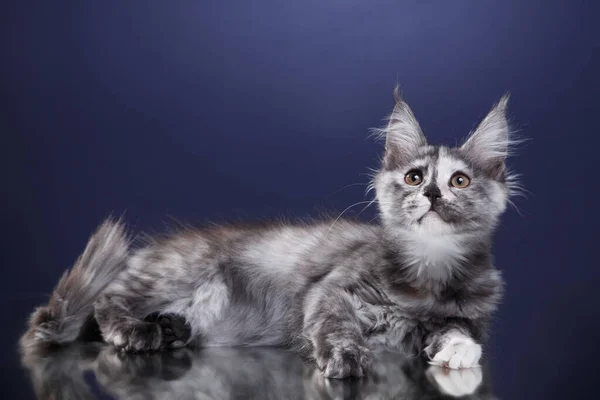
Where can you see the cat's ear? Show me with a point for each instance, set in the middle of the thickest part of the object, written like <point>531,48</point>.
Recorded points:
<point>403,135</point>
<point>487,147</point>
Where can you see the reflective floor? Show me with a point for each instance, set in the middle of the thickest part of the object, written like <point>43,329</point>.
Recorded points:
<point>98,371</point>
<point>549,354</point>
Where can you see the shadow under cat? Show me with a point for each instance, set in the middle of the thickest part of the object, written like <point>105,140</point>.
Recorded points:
<point>236,373</point>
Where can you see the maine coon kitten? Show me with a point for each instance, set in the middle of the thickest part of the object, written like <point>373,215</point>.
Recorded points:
<point>421,281</point>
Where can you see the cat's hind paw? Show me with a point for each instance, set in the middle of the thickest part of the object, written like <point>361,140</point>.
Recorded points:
<point>136,337</point>
<point>176,332</point>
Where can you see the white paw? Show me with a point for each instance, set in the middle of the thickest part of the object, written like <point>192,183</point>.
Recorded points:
<point>455,383</point>
<point>459,351</point>
<point>118,340</point>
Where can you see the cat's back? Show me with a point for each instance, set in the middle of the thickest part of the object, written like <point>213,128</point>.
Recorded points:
<point>286,247</point>
<point>287,251</point>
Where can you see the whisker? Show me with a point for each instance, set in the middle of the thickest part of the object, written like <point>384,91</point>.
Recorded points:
<point>367,206</point>
<point>342,213</point>
<point>344,187</point>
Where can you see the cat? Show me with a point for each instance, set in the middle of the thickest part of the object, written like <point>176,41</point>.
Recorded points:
<point>421,282</point>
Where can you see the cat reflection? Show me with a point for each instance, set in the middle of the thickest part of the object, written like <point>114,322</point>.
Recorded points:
<point>237,373</point>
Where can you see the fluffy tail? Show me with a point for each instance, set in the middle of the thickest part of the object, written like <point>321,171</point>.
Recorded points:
<point>72,303</point>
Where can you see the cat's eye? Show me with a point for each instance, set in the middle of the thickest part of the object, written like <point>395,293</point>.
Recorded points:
<point>460,181</point>
<point>414,178</point>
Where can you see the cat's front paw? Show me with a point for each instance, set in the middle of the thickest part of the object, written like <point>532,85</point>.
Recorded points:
<point>457,351</point>
<point>349,360</point>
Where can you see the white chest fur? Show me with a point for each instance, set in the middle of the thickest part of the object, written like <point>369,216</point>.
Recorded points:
<point>433,257</point>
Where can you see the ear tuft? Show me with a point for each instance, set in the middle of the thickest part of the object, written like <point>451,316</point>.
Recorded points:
<point>489,144</point>
<point>397,94</point>
<point>403,135</point>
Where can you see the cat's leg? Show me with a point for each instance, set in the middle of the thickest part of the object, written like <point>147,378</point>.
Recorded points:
<point>162,302</point>
<point>453,347</point>
<point>334,329</point>
<point>121,327</point>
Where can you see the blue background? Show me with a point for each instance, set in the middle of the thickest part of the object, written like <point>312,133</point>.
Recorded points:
<point>243,110</point>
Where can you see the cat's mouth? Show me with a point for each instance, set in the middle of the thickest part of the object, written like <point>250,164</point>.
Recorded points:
<point>431,213</point>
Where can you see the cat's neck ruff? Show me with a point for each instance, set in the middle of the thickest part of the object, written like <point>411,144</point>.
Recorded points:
<point>432,257</point>
<point>429,251</point>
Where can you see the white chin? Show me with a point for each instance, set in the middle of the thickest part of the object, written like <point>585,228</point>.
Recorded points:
<point>432,220</point>
<point>431,216</point>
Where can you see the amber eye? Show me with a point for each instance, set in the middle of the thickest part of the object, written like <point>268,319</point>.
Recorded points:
<point>414,178</point>
<point>460,181</point>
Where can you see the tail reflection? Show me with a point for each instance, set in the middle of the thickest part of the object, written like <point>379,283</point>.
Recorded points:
<point>237,373</point>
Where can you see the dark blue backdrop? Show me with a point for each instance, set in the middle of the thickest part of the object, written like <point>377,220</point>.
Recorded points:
<point>245,110</point>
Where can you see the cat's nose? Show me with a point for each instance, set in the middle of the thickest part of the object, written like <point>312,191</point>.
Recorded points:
<point>433,193</point>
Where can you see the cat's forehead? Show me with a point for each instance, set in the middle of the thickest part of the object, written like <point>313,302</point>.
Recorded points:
<point>449,162</point>
<point>440,158</point>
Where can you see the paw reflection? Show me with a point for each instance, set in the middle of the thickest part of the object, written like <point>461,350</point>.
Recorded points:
<point>115,365</point>
<point>455,382</point>
<point>229,373</point>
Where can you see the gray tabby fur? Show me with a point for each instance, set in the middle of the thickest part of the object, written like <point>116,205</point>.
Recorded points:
<point>414,283</point>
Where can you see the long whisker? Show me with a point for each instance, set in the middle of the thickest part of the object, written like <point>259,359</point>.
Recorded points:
<point>342,213</point>
<point>344,187</point>
<point>367,206</point>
